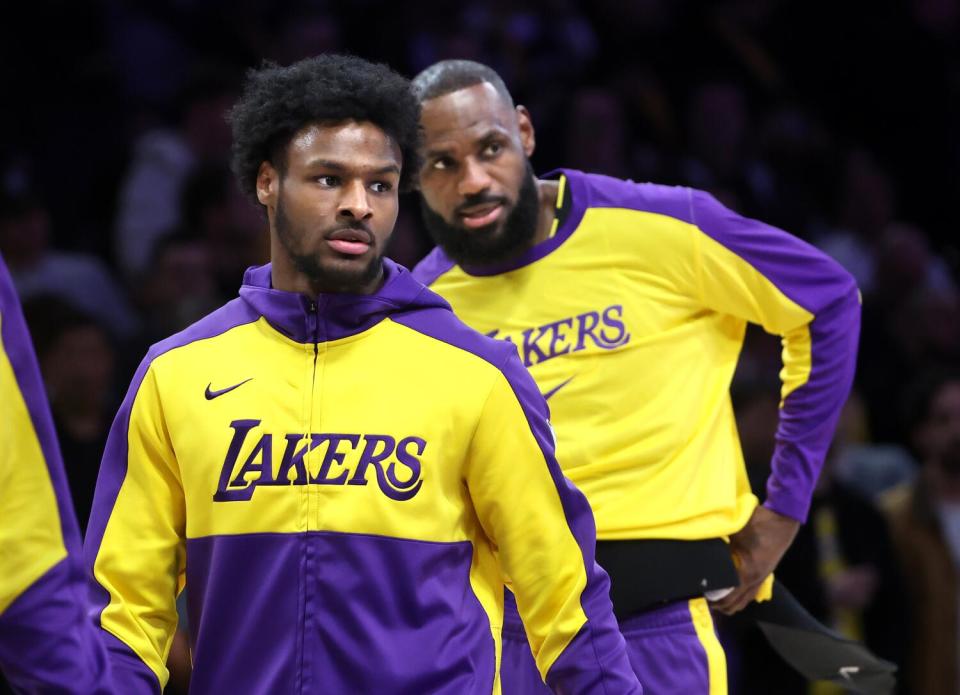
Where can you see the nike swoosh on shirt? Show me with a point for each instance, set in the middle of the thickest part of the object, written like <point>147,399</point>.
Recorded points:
<point>547,394</point>
<point>210,395</point>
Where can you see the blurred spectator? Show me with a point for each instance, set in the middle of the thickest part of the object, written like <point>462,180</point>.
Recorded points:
<point>841,565</point>
<point>304,32</point>
<point>80,280</point>
<point>794,184</point>
<point>718,124</point>
<point>905,263</point>
<point>650,118</point>
<point>911,318</point>
<point>866,205</point>
<point>149,204</point>
<point>77,362</point>
<point>939,17</point>
<point>178,287</point>
<point>925,519</point>
<point>215,212</point>
<point>928,325</point>
<point>864,467</point>
<point>596,136</point>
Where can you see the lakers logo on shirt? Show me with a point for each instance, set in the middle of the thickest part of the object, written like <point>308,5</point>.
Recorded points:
<point>604,329</point>
<point>320,459</point>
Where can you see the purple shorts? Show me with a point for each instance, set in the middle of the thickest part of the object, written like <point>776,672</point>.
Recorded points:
<point>673,650</point>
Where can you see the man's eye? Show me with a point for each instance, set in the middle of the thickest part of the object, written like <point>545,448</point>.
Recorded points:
<point>381,187</point>
<point>327,181</point>
<point>442,163</point>
<point>492,149</point>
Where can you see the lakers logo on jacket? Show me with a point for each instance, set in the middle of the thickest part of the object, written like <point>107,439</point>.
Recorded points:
<point>319,459</point>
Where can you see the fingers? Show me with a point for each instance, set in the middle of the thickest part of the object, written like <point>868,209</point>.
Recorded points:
<point>738,599</point>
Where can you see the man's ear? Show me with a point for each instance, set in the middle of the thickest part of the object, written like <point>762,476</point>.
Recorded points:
<point>268,184</point>
<point>527,136</point>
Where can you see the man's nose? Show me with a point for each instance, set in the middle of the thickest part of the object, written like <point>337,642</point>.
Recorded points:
<point>355,201</point>
<point>475,178</point>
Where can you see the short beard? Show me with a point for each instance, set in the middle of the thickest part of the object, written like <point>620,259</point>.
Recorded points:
<point>329,279</point>
<point>474,247</point>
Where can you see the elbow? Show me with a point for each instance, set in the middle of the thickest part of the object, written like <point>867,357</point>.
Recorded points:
<point>841,316</point>
<point>851,298</point>
<point>846,299</point>
<point>836,312</point>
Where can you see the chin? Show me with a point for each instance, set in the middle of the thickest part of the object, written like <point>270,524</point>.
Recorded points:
<point>350,273</point>
<point>492,231</point>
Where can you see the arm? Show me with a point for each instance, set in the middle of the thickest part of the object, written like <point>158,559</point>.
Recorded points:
<point>764,275</point>
<point>134,548</point>
<point>543,529</point>
<point>46,641</point>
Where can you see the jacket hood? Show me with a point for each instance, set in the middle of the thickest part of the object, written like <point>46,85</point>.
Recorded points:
<point>333,316</point>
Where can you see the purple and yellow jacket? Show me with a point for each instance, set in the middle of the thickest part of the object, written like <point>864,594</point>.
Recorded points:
<point>344,486</point>
<point>47,642</point>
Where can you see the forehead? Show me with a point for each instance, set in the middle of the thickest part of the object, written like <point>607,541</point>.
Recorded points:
<point>357,143</point>
<point>465,113</point>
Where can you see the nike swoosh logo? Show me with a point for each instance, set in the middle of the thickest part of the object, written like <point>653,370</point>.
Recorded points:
<point>847,671</point>
<point>547,394</point>
<point>210,395</point>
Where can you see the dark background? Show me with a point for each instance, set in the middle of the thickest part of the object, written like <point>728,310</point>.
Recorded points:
<point>836,121</point>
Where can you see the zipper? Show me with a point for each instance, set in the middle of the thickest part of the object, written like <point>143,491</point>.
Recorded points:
<point>315,335</point>
<point>305,684</point>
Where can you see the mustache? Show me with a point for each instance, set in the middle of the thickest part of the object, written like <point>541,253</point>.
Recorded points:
<point>479,199</point>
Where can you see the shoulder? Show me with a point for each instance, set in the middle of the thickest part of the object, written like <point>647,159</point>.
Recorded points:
<point>440,324</point>
<point>480,362</point>
<point>599,191</point>
<point>167,358</point>
<point>231,315</point>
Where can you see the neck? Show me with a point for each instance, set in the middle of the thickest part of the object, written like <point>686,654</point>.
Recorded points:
<point>547,191</point>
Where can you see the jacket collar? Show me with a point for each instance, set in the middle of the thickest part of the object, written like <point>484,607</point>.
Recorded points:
<point>334,316</point>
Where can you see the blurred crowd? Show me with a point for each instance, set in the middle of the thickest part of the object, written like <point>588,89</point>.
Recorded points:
<point>121,222</point>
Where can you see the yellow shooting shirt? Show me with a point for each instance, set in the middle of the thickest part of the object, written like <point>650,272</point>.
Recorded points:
<point>631,317</point>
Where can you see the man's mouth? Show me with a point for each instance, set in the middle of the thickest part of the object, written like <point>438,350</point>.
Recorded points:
<point>481,215</point>
<point>350,241</point>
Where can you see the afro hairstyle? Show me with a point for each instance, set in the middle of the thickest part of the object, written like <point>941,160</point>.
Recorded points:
<point>277,102</point>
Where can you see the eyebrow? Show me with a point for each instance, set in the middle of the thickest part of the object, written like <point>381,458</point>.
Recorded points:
<point>339,166</point>
<point>493,132</point>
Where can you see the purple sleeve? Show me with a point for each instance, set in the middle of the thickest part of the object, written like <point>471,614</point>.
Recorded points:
<point>817,283</point>
<point>47,642</point>
<point>596,659</point>
<point>130,673</point>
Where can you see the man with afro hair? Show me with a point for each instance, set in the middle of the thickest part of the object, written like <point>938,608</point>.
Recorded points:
<point>342,474</point>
